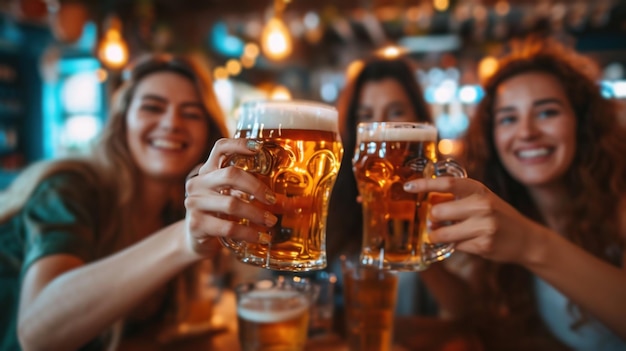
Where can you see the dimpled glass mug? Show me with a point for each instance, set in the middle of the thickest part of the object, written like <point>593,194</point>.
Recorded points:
<point>395,222</point>
<point>299,160</point>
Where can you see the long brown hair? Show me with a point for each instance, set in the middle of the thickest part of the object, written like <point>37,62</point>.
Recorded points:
<point>112,150</point>
<point>597,175</point>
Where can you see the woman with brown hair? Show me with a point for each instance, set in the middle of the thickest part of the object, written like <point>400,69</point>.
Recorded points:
<point>547,203</point>
<point>376,90</point>
<point>87,242</point>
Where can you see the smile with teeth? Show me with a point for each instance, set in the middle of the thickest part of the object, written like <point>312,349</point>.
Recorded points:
<point>531,153</point>
<point>167,144</point>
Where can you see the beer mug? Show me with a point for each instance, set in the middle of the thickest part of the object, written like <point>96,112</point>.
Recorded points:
<point>396,223</point>
<point>299,160</point>
<point>273,314</point>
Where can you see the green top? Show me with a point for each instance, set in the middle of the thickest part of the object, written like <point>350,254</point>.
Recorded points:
<point>61,217</point>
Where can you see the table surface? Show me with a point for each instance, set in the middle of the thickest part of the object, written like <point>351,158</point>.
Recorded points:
<point>411,333</point>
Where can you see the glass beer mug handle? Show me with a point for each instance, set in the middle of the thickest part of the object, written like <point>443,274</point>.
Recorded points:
<point>449,168</point>
<point>261,163</point>
<point>437,252</point>
<point>234,245</point>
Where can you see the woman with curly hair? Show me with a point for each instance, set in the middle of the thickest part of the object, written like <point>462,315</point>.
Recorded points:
<point>546,206</point>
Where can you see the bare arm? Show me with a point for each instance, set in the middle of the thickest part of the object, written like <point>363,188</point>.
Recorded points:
<point>65,303</point>
<point>595,285</point>
<point>488,226</point>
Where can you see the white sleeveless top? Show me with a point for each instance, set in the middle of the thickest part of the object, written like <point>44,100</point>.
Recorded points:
<point>592,335</point>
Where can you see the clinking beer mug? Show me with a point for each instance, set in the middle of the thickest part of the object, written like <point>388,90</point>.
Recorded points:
<point>299,160</point>
<point>396,223</point>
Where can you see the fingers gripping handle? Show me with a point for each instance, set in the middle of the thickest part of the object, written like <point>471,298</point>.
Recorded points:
<point>432,252</point>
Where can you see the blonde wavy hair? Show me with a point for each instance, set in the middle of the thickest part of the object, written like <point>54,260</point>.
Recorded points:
<point>110,164</point>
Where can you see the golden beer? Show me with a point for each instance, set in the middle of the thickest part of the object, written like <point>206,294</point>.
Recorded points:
<point>370,301</point>
<point>273,319</point>
<point>299,160</point>
<point>395,222</point>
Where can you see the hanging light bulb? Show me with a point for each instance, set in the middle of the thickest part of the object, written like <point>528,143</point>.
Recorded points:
<point>113,51</point>
<point>276,40</point>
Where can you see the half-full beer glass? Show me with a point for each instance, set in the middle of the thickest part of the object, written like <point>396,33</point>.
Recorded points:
<point>299,160</point>
<point>273,315</point>
<point>395,222</point>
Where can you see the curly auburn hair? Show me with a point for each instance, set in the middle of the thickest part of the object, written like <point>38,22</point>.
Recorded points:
<point>597,175</point>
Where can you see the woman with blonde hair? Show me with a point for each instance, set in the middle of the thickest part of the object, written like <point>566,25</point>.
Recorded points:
<point>90,241</point>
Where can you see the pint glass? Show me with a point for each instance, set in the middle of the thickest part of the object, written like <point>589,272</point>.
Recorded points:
<point>273,315</point>
<point>395,222</point>
<point>299,160</point>
<point>370,297</point>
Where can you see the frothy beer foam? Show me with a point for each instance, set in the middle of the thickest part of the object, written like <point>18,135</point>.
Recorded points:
<point>424,133</point>
<point>289,115</point>
<point>272,305</point>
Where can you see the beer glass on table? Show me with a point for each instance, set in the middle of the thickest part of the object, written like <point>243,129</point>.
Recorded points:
<point>273,315</point>
<point>299,160</point>
<point>370,296</point>
<point>396,223</point>
<point>195,293</point>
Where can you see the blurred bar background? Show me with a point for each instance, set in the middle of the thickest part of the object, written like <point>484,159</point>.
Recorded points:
<point>61,59</point>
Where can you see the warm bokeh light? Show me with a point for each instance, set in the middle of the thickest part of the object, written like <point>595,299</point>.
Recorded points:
<point>247,61</point>
<point>391,51</point>
<point>276,40</point>
<point>233,67</point>
<point>354,68</point>
<point>220,73</point>
<point>441,5</point>
<point>102,75</point>
<point>113,50</point>
<point>487,67</point>
<point>446,146</point>
<point>280,92</point>
<point>251,50</point>
<point>450,147</point>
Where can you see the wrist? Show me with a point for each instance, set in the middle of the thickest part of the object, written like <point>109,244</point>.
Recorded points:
<point>536,251</point>
<point>182,247</point>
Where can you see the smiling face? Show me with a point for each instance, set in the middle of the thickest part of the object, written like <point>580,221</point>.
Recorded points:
<point>384,101</point>
<point>534,128</point>
<point>167,128</point>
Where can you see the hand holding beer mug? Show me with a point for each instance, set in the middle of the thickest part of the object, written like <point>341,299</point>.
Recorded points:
<point>299,159</point>
<point>273,315</point>
<point>396,223</point>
